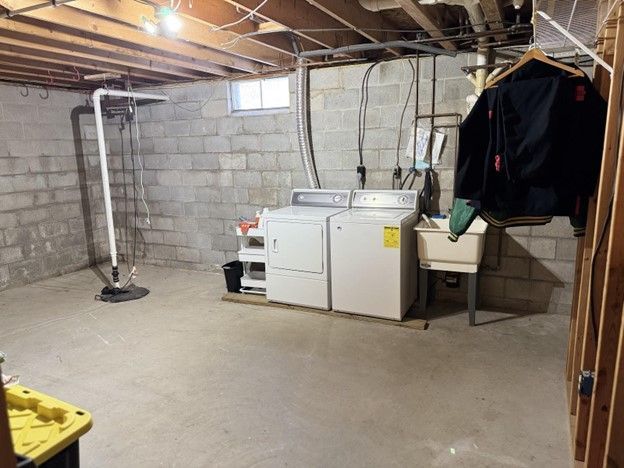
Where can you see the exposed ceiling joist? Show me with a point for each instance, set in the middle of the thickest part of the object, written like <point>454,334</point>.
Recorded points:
<point>44,40</point>
<point>131,12</point>
<point>423,16</point>
<point>494,16</point>
<point>299,14</point>
<point>351,14</point>
<point>29,29</point>
<point>63,19</point>
<point>69,59</point>
<point>216,13</point>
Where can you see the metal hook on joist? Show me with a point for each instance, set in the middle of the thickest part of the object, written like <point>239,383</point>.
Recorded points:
<point>77,77</point>
<point>47,94</point>
<point>24,92</point>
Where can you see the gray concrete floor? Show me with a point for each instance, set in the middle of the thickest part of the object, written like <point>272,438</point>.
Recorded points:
<point>182,379</point>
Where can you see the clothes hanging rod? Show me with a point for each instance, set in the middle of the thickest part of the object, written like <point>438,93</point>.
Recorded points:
<point>581,46</point>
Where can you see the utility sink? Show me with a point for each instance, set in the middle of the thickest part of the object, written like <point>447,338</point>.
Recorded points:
<point>437,252</point>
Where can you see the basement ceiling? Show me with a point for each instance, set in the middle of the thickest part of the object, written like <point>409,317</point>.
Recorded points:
<point>83,43</point>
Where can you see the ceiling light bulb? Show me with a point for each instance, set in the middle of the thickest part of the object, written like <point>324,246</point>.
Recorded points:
<point>149,26</point>
<point>172,23</point>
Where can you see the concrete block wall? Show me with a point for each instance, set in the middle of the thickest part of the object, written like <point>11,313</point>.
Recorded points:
<point>205,167</point>
<point>48,199</point>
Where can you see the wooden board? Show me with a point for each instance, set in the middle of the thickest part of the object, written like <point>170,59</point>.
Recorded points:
<point>252,299</point>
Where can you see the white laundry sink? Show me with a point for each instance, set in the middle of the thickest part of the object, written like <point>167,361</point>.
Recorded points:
<point>437,252</point>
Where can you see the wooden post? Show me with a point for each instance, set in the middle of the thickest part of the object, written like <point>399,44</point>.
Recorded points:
<point>599,246</point>
<point>7,456</point>
<point>614,452</point>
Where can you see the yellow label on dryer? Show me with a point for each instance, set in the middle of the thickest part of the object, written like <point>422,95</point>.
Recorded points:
<point>392,237</point>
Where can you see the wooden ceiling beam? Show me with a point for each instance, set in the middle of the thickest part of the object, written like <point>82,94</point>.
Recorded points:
<point>352,15</point>
<point>55,75</point>
<point>299,14</point>
<point>14,78</point>
<point>106,29</point>
<point>12,32</point>
<point>77,40</point>
<point>44,66</point>
<point>131,12</point>
<point>426,20</point>
<point>494,16</point>
<point>68,59</point>
<point>216,13</point>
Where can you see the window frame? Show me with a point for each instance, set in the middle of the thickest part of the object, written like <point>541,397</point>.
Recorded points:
<point>261,110</point>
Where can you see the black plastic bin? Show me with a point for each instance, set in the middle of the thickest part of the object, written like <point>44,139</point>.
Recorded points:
<point>233,272</point>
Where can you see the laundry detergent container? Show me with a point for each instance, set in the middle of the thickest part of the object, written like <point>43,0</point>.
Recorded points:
<point>437,252</point>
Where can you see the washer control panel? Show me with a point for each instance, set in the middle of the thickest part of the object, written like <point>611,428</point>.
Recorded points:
<point>392,199</point>
<point>319,197</point>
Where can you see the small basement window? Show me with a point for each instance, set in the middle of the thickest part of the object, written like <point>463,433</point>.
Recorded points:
<point>261,94</point>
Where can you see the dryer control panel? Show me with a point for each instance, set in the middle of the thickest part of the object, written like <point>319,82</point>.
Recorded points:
<point>388,199</point>
<point>319,197</point>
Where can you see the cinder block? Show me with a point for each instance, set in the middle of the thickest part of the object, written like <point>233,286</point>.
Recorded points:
<point>262,124</point>
<point>217,144</point>
<point>558,227</point>
<point>190,144</point>
<point>11,130</point>
<point>210,226</point>
<point>234,195</point>
<point>187,254</point>
<point>225,242</point>
<point>53,229</point>
<point>222,211</point>
<point>205,161</point>
<point>169,178</point>
<point>176,128</point>
<point>273,142</point>
<point>226,179</point>
<point>208,194</point>
<point>184,194</point>
<point>247,179</point>
<point>164,251</point>
<point>232,125</point>
<point>517,288</point>
<point>164,111</point>
<point>326,78</point>
<point>552,270</point>
<point>540,247</point>
<point>566,249</point>
<point>515,246</point>
<point>151,129</point>
<point>162,223</point>
<point>233,161</point>
<point>287,161</point>
<point>158,193</point>
<point>341,99</point>
<point>65,211</point>
<point>212,257</point>
<point>263,196</point>
<point>262,161</point>
<point>203,127</point>
<point>174,238</point>
<point>189,111</point>
<point>185,224</point>
<point>16,201</point>
<point>10,255</point>
<point>215,108</point>
<point>165,145</point>
<point>8,220</point>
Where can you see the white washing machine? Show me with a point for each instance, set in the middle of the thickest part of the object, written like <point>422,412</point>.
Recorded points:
<point>297,246</point>
<point>374,262</point>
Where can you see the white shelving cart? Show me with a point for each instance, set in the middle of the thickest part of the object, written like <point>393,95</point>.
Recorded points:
<point>253,257</point>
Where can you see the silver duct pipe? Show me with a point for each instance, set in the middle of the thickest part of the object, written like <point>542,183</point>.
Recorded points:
<point>303,124</point>
<point>378,5</point>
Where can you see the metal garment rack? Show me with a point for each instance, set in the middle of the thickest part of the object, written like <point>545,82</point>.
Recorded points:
<point>99,125</point>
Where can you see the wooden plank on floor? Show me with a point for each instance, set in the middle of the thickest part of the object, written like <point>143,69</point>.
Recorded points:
<point>258,300</point>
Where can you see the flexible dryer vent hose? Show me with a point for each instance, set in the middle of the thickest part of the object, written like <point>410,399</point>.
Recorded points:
<point>303,124</point>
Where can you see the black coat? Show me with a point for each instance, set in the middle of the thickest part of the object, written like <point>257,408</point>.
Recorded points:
<point>532,146</point>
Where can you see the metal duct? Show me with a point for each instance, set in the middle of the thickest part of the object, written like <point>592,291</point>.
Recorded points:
<point>378,5</point>
<point>303,124</point>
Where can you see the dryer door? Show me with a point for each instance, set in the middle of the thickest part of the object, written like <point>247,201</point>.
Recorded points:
<point>295,246</point>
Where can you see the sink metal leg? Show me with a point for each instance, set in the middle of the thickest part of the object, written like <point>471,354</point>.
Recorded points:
<point>472,297</point>
<point>423,287</point>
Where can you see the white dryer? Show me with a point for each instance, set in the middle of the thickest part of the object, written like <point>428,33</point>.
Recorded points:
<point>297,247</point>
<point>374,262</point>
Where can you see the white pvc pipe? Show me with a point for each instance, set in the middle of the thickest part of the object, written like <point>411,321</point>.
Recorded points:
<point>99,126</point>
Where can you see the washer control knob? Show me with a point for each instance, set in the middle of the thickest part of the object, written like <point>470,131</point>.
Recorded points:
<point>402,200</point>
<point>337,198</point>
<point>300,197</point>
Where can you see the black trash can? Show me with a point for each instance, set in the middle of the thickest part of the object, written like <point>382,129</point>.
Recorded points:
<point>233,272</point>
